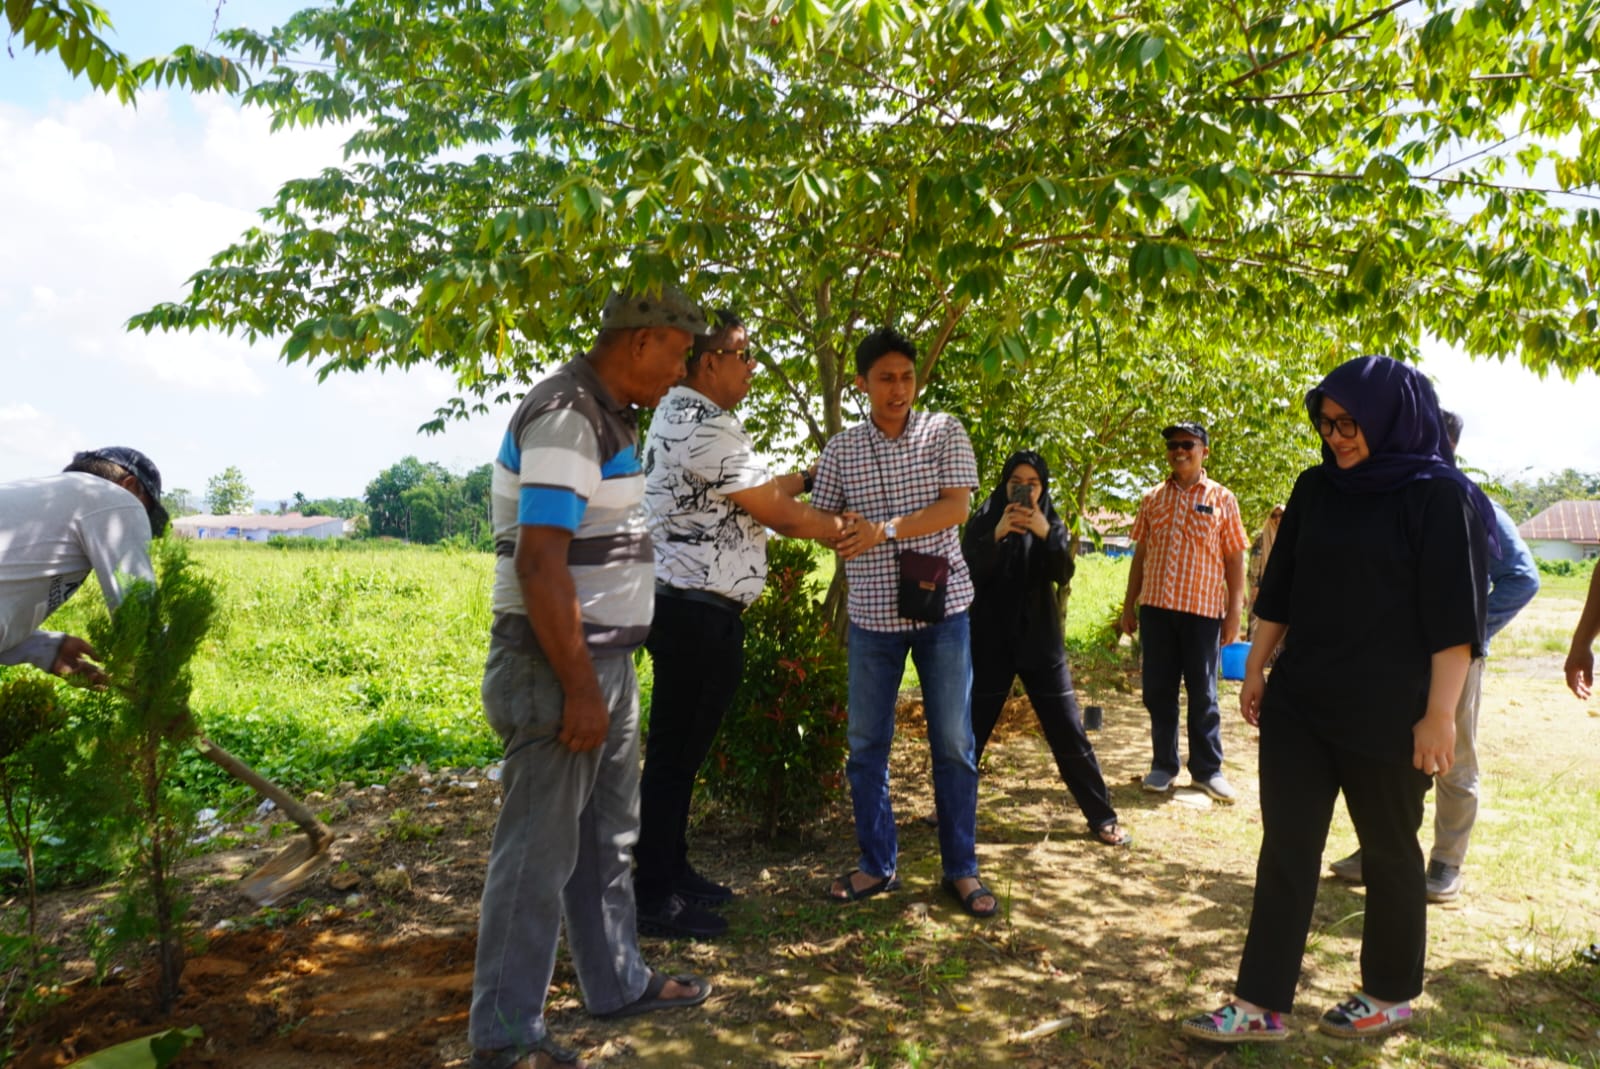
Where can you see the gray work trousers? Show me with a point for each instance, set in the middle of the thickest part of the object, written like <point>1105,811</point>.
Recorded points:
<point>562,848</point>
<point>1456,792</point>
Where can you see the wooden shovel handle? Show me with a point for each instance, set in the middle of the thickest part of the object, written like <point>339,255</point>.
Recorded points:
<point>319,833</point>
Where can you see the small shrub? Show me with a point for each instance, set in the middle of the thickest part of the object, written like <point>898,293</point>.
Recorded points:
<point>779,759</point>
<point>32,757</point>
<point>146,647</point>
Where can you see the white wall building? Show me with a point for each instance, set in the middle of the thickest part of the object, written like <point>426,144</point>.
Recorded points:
<point>259,528</point>
<point>1567,530</point>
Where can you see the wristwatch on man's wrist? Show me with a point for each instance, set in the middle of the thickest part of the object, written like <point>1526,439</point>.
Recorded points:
<point>888,531</point>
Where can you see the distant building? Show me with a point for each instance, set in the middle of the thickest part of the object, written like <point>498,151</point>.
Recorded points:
<point>259,528</point>
<point>1567,530</point>
<point>1112,528</point>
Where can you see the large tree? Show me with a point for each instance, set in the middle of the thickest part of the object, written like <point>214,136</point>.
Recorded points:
<point>75,31</point>
<point>1010,182</point>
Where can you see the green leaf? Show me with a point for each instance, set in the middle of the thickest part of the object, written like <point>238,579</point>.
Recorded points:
<point>148,1052</point>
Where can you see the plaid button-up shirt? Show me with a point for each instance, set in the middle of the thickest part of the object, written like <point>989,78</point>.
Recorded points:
<point>1186,534</point>
<point>864,471</point>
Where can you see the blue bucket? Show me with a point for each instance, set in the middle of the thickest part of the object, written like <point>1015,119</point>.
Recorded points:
<point>1234,655</point>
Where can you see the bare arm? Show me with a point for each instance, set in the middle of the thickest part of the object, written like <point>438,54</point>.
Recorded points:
<point>1580,658</point>
<point>1233,567</point>
<point>1434,736</point>
<point>1130,600</point>
<point>551,599</point>
<point>1269,633</point>
<point>773,505</point>
<point>949,509</point>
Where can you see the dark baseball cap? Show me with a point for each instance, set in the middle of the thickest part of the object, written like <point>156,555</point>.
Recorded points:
<point>143,469</point>
<point>1190,428</point>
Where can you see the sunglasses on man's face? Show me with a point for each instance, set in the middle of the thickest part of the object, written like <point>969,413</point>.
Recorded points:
<point>1184,444</point>
<point>745,355</point>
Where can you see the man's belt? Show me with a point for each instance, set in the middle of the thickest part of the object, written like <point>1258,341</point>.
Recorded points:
<point>705,597</point>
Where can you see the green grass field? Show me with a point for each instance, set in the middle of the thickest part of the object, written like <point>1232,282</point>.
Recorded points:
<point>339,662</point>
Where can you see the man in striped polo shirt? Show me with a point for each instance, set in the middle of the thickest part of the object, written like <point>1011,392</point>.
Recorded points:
<point>573,593</point>
<point>1186,590</point>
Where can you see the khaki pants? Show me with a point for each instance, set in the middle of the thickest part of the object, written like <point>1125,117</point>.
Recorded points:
<point>1456,800</point>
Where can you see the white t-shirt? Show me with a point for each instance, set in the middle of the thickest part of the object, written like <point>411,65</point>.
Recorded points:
<point>695,455</point>
<point>54,531</point>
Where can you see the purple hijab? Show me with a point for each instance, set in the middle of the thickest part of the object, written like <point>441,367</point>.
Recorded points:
<point>1399,415</point>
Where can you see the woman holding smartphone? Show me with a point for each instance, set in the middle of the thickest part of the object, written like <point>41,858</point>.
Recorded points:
<point>1018,552</point>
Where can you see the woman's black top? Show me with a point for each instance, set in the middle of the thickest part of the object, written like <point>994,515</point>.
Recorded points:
<point>1014,614</point>
<point>1371,585</point>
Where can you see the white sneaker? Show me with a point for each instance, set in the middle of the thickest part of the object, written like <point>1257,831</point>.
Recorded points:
<point>1159,782</point>
<point>1444,882</point>
<point>1348,868</point>
<point>1218,788</point>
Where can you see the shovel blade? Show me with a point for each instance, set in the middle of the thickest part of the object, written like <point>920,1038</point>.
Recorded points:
<point>286,871</point>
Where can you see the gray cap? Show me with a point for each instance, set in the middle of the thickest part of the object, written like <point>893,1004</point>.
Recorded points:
<point>631,309</point>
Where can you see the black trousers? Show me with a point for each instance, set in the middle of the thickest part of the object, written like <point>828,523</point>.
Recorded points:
<point>1181,647</point>
<point>1056,706</point>
<point>697,653</point>
<point>1302,773</point>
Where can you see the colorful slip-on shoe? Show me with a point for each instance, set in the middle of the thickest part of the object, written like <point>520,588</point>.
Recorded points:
<point>1230,1024</point>
<point>1357,1018</point>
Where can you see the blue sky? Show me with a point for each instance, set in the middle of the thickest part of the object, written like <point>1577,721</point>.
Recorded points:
<point>108,209</point>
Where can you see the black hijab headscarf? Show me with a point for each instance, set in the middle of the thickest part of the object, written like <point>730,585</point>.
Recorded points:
<point>989,515</point>
<point>1018,548</point>
<point>1398,411</point>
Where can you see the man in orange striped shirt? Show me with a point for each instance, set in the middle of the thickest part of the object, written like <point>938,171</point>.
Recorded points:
<point>1186,591</point>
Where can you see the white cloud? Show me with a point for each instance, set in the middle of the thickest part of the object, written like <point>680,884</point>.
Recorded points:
<point>1518,425</point>
<point>32,439</point>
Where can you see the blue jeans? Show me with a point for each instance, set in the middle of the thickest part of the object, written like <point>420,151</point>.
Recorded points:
<point>943,657</point>
<point>1182,647</point>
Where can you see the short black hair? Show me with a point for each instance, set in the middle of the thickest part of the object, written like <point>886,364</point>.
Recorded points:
<point>90,464</point>
<point>1452,426</point>
<point>722,320</point>
<point>879,344</point>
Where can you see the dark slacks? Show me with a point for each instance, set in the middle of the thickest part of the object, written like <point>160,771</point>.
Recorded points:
<point>697,654</point>
<point>1181,647</point>
<point>1302,773</point>
<point>1056,705</point>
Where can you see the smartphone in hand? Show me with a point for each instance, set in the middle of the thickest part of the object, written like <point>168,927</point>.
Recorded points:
<point>1021,494</point>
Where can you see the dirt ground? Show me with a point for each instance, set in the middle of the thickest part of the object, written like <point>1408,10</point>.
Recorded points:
<point>1095,955</point>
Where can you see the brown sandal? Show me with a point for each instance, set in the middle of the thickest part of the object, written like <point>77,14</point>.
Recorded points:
<point>553,1053</point>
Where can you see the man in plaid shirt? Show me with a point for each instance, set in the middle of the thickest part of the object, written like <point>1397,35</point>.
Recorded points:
<point>1186,590</point>
<point>906,477</point>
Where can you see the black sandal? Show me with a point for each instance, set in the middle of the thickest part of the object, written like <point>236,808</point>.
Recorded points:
<point>970,897</point>
<point>882,885</point>
<point>651,1000</point>
<point>1112,834</point>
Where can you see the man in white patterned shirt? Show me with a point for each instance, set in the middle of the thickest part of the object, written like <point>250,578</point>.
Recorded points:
<point>908,477</point>
<point>710,500</point>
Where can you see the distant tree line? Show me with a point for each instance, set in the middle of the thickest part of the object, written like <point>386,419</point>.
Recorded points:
<point>1524,500</point>
<point>427,503</point>
<point>416,501</point>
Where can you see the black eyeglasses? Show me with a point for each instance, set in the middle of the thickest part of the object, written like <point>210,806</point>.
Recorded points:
<point>1346,426</point>
<point>1185,444</point>
<point>745,355</point>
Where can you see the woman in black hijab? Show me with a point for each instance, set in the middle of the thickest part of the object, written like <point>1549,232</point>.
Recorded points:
<point>1017,550</point>
<point>1376,589</point>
